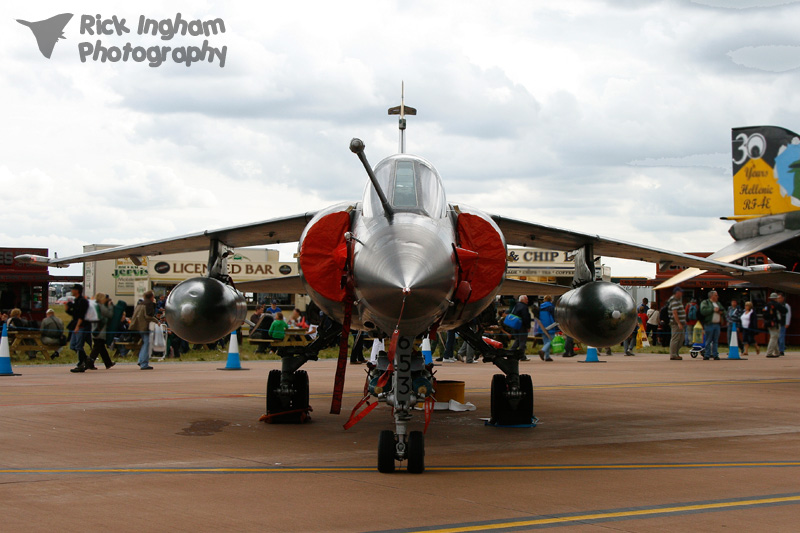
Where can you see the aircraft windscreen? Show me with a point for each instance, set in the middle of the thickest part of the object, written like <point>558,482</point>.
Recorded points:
<point>405,189</point>
<point>410,184</point>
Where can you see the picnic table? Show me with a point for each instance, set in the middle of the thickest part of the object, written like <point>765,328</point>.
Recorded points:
<point>29,341</point>
<point>292,337</point>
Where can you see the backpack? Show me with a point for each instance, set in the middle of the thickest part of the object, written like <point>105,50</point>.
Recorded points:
<point>692,314</point>
<point>770,315</point>
<point>664,314</point>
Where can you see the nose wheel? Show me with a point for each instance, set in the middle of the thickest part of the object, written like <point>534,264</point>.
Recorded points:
<point>387,449</point>
<point>392,448</point>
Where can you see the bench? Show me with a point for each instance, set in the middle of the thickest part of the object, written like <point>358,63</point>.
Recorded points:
<point>133,346</point>
<point>29,341</point>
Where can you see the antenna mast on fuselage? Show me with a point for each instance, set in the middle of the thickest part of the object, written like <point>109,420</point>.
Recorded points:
<point>402,110</point>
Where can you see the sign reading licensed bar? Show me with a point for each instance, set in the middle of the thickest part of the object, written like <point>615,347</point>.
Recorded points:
<point>239,271</point>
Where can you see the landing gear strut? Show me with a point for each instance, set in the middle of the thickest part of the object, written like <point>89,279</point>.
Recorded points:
<point>512,393</point>
<point>391,449</point>
<point>287,388</point>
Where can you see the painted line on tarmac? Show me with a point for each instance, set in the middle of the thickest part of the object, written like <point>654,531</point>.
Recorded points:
<point>333,469</point>
<point>125,400</point>
<point>611,515</point>
<point>658,384</point>
<point>318,396</point>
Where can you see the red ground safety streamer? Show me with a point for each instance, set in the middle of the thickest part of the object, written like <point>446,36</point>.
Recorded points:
<point>384,379</point>
<point>268,417</point>
<point>341,364</point>
<point>355,418</point>
<point>429,403</point>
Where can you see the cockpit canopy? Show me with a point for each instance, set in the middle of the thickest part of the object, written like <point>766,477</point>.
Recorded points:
<point>410,184</point>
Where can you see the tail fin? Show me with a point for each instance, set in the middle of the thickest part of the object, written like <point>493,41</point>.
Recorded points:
<point>766,171</point>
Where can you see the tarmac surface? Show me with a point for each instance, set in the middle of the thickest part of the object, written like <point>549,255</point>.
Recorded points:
<point>636,444</point>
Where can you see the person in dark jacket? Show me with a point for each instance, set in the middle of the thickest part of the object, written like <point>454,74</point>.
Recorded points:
<point>105,313</point>
<point>521,336</point>
<point>261,331</point>
<point>81,328</point>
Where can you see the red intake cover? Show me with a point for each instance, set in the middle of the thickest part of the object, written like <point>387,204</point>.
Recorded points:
<point>488,269</point>
<point>323,255</point>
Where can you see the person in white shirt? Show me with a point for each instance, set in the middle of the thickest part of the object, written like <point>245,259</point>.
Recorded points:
<point>749,327</point>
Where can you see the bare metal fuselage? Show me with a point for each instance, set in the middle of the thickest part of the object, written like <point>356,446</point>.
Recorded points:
<point>403,267</point>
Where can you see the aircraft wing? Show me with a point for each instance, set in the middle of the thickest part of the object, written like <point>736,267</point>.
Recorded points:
<point>742,248</point>
<point>521,233</point>
<point>783,281</point>
<point>518,286</point>
<point>274,231</point>
<point>283,284</point>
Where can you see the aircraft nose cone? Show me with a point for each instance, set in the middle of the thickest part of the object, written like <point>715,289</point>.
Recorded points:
<point>412,262</point>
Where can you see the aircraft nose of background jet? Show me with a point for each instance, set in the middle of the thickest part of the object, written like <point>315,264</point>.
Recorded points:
<point>404,256</point>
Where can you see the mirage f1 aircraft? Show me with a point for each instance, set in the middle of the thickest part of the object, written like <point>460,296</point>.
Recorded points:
<point>400,263</point>
<point>766,202</point>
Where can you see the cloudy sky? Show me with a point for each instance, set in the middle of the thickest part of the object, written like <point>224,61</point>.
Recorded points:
<point>607,117</point>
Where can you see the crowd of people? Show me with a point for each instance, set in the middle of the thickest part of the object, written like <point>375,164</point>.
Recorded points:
<point>99,322</point>
<point>700,325</point>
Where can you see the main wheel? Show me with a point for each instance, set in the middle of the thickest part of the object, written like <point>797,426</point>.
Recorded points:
<point>301,395</point>
<point>499,403</point>
<point>525,407</point>
<point>273,384</point>
<point>416,452</point>
<point>387,447</point>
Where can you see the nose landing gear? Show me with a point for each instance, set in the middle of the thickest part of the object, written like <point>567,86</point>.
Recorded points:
<point>402,445</point>
<point>393,448</point>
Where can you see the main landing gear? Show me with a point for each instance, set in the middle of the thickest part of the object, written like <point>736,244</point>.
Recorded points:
<point>287,401</point>
<point>287,388</point>
<point>511,393</point>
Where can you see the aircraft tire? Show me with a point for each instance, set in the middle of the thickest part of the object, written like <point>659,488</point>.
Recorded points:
<point>300,399</point>
<point>273,384</point>
<point>416,452</point>
<point>499,403</point>
<point>525,408</point>
<point>387,447</point>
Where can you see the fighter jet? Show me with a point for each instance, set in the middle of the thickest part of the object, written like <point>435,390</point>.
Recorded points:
<point>400,263</point>
<point>766,193</point>
<point>48,31</point>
